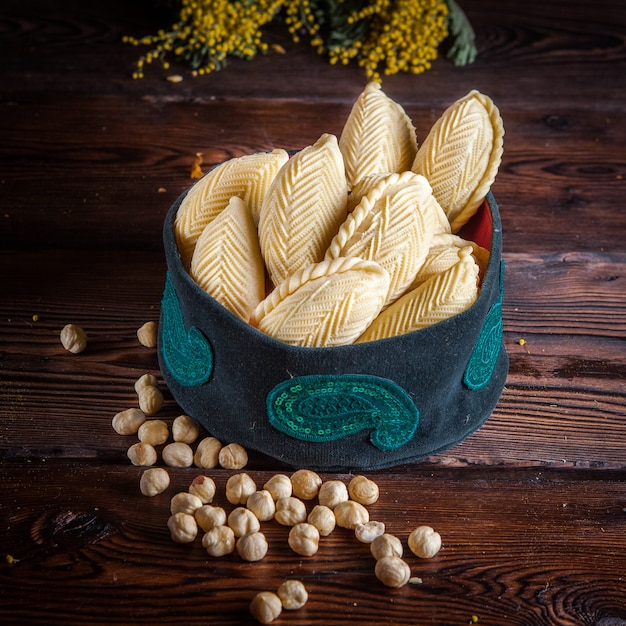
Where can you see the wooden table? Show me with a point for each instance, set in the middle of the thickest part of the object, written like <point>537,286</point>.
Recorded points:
<point>531,508</point>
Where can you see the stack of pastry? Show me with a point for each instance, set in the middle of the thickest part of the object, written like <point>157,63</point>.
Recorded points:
<point>352,239</point>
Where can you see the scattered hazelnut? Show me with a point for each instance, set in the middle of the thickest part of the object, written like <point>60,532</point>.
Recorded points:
<point>185,429</point>
<point>243,521</point>
<point>154,432</point>
<point>207,453</point>
<point>262,505</point>
<point>233,457</point>
<point>128,422</point>
<point>183,527</point>
<point>350,514</point>
<point>290,511</point>
<point>266,607</point>
<point>366,533</point>
<point>279,486</point>
<point>142,454</point>
<point>219,541</point>
<point>184,502</point>
<point>252,547</point>
<point>363,490</point>
<point>306,484</point>
<point>204,488</point>
<point>386,545</point>
<point>292,594</point>
<point>392,571</point>
<point>73,338</point>
<point>147,334</point>
<point>150,400</point>
<point>424,542</point>
<point>239,487</point>
<point>154,481</point>
<point>147,380</point>
<point>304,539</point>
<point>177,454</point>
<point>323,519</point>
<point>209,516</point>
<point>332,492</point>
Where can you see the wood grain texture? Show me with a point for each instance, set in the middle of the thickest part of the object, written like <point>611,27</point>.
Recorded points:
<point>531,507</point>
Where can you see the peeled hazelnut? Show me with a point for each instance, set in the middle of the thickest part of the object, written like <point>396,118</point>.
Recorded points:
<point>392,571</point>
<point>154,432</point>
<point>424,542</point>
<point>150,400</point>
<point>304,539</point>
<point>154,481</point>
<point>142,454</point>
<point>323,519</point>
<point>177,454</point>
<point>290,511</point>
<point>292,594</point>
<point>239,487</point>
<point>350,514</point>
<point>252,547</point>
<point>204,488</point>
<point>219,541</point>
<point>363,490</point>
<point>128,422</point>
<point>209,516</point>
<point>183,527</point>
<point>147,380</point>
<point>185,429</point>
<point>386,545</point>
<point>306,484</point>
<point>233,457</point>
<point>73,338</point>
<point>147,334</point>
<point>207,453</point>
<point>243,521</point>
<point>279,486</point>
<point>332,492</point>
<point>262,505</point>
<point>366,533</point>
<point>266,607</point>
<point>184,502</point>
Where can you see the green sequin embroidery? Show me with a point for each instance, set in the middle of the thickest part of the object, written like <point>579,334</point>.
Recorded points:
<point>327,408</point>
<point>485,354</point>
<point>186,353</point>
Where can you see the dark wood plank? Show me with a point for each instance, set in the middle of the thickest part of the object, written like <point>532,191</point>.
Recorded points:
<point>522,548</point>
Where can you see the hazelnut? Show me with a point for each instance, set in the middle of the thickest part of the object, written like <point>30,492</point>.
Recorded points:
<point>209,516</point>
<point>304,539</point>
<point>142,454</point>
<point>128,422</point>
<point>147,380</point>
<point>252,547</point>
<point>266,607</point>
<point>154,481</point>
<point>154,432</point>
<point>366,533</point>
<point>292,594</point>
<point>350,514</point>
<point>332,492</point>
<point>262,505</point>
<point>386,545</point>
<point>306,484</point>
<point>424,542</point>
<point>323,519</point>
<point>290,511</point>
<point>207,453</point>
<point>183,527</point>
<point>219,541</point>
<point>184,502</point>
<point>150,400</point>
<point>73,338</point>
<point>233,457</point>
<point>279,486</point>
<point>185,429</point>
<point>392,571</point>
<point>243,521</point>
<point>239,487</point>
<point>204,488</point>
<point>363,490</point>
<point>147,334</point>
<point>177,454</point>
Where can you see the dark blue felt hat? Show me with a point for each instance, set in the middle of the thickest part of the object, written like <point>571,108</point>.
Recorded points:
<point>364,406</point>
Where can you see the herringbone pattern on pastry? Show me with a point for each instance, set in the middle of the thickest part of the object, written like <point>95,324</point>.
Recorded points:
<point>227,262</point>
<point>303,209</point>
<point>378,136</point>
<point>248,177</point>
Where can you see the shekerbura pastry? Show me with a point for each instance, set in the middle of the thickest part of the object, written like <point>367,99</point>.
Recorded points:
<point>227,261</point>
<point>247,177</point>
<point>325,304</point>
<point>439,298</point>
<point>461,155</point>
<point>392,225</point>
<point>378,136</point>
<point>303,208</point>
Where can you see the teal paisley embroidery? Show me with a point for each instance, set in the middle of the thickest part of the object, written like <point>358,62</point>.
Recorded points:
<point>326,408</point>
<point>485,354</point>
<point>186,353</point>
